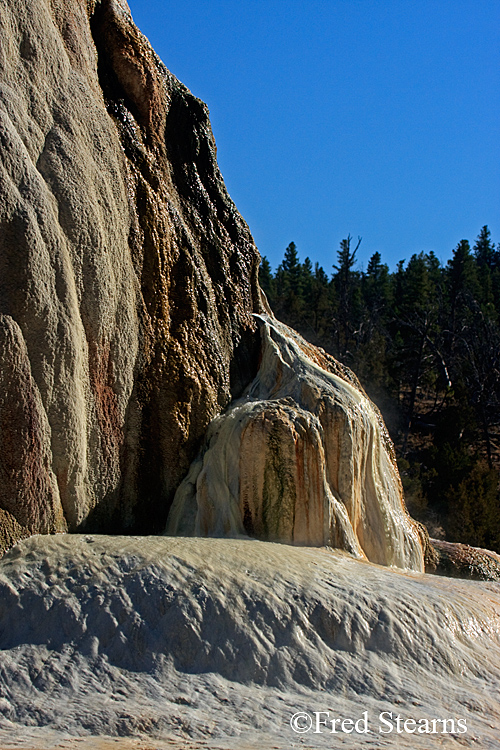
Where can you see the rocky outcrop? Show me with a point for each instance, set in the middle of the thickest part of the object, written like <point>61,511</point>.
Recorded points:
<point>303,457</point>
<point>127,277</point>
<point>463,561</point>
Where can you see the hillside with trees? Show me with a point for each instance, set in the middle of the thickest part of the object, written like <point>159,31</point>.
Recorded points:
<point>425,342</point>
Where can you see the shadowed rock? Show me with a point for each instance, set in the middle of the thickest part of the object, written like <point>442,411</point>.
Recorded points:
<point>463,561</point>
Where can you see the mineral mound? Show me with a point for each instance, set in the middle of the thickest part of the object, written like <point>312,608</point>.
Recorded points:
<point>132,324</point>
<point>145,385</point>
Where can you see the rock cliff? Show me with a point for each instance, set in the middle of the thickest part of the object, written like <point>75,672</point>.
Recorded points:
<point>129,303</point>
<point>127,277</point>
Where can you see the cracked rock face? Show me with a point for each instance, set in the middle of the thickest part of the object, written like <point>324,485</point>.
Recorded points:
<point>127,277</point>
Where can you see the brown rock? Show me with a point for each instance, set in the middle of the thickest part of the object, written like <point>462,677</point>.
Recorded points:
<point>10,531</point>
<point>125,270</point>
<point>28,489</point>
<point>463,561</point>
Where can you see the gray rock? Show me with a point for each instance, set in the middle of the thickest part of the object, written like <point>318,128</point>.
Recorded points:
<point>224,640</point>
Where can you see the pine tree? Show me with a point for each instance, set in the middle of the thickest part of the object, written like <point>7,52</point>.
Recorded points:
<point>376,288</point>
<point>266,280</point>
<point>484,249</point>
<point>462,281</point>
<point>345,282</point>
<point>370,359</point>
<point>416,313</point>
<point>289,288</point>
<point>292,269</point>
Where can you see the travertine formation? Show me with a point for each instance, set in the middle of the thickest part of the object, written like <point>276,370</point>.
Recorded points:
<point>303,457</point>
<point>224,640</point>
<point>140,373</point>
<point>127,277</point>
<point>129,315</point>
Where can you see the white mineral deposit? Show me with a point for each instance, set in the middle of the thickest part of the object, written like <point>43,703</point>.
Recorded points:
<point>303,457</point>
<point>222,641</point>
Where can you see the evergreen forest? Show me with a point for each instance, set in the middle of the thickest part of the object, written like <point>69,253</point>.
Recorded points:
<point>424,341</point>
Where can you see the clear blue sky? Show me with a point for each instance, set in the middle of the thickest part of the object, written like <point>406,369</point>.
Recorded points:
<point>378,118</point>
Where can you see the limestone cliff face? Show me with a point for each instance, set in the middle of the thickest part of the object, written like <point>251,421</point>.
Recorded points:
<point>127,277</point>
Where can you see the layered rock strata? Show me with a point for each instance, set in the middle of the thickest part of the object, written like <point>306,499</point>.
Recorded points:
<point>303,457</point>
<point>127,277</point>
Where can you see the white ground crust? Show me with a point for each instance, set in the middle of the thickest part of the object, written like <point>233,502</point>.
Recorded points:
<point>218,642</point>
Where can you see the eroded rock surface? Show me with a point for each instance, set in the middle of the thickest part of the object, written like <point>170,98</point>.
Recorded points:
<point>28,491</point>
<point>463,561</point>
<point>127,277</point>
<point>303,457</point>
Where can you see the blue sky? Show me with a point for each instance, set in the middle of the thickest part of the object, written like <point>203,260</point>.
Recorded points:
<point>378,118</point>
